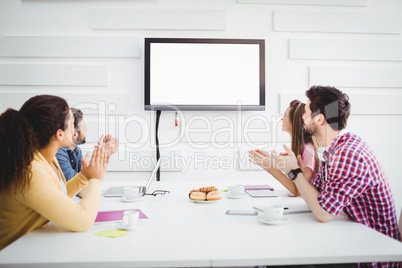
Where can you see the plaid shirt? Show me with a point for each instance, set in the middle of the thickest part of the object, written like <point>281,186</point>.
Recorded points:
<point>352,180</point>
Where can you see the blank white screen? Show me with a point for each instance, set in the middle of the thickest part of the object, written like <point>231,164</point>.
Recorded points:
<point>204,74</point>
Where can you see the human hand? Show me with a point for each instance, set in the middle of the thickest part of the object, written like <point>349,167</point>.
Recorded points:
<point>95,168</point>
<point>300,163</point>
<point>103,139</point>
<point>262,159</point>
<point>286,161</point>
<point>110,144</point>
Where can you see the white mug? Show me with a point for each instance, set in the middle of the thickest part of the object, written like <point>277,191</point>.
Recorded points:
<point>130,218</point>
<point>236,190</point>
<point>131,192</point>
<point>273,212</point>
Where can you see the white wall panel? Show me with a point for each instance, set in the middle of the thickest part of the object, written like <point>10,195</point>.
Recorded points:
<point>89,103</point>
<point>309,2</point>
<point>376,104</point>
<point>167,19</point>
<point>362,104</point>
<point>337,22</point>
<point>381,50</point>
<point>99,103</point>
<point>69,46</point>
<point>127,159</point>
<point>356,76</point>
<point>286,98</point>
<point>135,131</point>
<point>53,75</point>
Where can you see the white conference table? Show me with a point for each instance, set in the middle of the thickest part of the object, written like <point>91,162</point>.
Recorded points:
<point>181,233</point>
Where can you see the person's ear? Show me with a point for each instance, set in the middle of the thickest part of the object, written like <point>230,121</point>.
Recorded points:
<point>60,135</point>
<point>320,119</point>
<point>75,135</point>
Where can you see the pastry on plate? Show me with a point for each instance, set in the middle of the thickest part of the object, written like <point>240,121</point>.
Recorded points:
<point>214,195</point>
<point>198,196</point>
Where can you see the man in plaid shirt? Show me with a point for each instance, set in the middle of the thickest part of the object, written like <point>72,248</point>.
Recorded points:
<point>350,179</point>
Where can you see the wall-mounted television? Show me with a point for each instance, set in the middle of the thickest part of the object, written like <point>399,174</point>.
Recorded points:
<point>204,74</point>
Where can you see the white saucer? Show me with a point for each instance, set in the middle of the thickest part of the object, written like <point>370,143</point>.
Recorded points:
<point>280,221</point>
<point>140,224</point>
<point>235,196</point>
<point>124,199</point>
<point>122,226</point>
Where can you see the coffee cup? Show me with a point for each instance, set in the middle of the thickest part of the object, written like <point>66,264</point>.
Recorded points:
<point>273,212</point>
<point>130,193</point>
<point>236,190</point>
<point>130,218</point>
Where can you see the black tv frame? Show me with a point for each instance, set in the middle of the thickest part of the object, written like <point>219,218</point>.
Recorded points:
<point>171,107</point>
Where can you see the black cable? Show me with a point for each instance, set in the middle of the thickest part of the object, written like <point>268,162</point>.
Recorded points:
<point>158,115</point>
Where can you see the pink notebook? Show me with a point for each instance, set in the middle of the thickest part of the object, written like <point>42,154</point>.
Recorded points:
<point>258,187</point>
<point>115,215</point>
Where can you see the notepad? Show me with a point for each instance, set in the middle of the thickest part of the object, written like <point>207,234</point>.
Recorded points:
<point>112,233</point>
<point>261,193</point>
<point>116,215</point>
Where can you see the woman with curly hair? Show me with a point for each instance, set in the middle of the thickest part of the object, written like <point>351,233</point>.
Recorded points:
<point>33,190</point>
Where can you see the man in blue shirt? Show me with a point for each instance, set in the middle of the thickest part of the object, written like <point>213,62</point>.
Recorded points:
<point>69,157</point>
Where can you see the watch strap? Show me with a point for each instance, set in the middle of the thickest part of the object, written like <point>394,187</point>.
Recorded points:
<point>293,173</point>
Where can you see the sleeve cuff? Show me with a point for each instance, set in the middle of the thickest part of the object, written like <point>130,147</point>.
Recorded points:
<point>330,204</point>
<point>82,178</point>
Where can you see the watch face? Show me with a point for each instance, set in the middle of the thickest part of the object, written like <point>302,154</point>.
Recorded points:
<point>291,175</point>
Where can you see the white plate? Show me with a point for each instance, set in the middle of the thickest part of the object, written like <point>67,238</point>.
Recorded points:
<point>235,197</point>
<point>204,202</point>
<point>280,221</point>
<point>123,199</point>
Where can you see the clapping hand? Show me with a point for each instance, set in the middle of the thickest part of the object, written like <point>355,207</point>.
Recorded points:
<point>110,144</point>
<point>288,161</point>
<point>95,168</point>
<point>262,159</point>
<point>285,162</point>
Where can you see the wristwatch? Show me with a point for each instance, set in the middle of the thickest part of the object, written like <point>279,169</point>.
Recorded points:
<point>293,173</point>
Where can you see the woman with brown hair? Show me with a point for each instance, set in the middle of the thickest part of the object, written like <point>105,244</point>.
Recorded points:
<point>301,144</point>
<point>33,189</point>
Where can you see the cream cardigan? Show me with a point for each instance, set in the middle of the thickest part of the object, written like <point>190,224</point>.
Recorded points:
<point>44,201</point>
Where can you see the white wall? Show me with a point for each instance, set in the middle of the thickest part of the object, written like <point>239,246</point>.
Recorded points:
<point>91,53</point>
